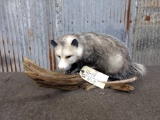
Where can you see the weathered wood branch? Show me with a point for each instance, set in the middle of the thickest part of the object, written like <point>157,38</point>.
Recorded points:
<point>58,80</point>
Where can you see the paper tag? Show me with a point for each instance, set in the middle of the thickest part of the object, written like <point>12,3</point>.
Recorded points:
<point>94,77</point>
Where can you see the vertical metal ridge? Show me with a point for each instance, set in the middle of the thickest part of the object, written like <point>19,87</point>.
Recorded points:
<point>14,59</point>
<point>1,62</point>
<point>49,30</point>
<point>128,15</point>
<point>5,56</point>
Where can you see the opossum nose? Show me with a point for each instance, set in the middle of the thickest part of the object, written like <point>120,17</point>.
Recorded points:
<point>62,65</point>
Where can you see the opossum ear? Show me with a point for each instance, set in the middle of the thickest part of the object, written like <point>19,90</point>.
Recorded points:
<point>53,43</point>
<point>74,43</point>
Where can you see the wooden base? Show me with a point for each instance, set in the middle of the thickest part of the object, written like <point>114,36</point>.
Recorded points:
<point>58,80</point>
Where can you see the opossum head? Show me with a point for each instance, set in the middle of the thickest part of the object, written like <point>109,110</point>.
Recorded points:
<point>68,51</point>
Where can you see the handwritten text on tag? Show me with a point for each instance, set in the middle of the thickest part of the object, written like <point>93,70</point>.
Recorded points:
<point>94,77</point>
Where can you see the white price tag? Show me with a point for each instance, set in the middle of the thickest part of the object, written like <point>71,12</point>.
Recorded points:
<point>94,77</point>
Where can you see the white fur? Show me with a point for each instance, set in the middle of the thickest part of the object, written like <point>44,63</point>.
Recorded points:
<point>115,62</point>
<point>80,51</point>
<point>58,50</point>
<point>70,38</point>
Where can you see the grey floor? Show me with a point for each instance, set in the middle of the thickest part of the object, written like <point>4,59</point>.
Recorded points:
<point>22,99</point>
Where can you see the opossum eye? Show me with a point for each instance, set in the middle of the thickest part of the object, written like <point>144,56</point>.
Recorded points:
<point>58,56</point>
<point>68,56</point>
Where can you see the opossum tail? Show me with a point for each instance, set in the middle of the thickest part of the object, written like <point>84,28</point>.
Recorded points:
<point>139,69</point>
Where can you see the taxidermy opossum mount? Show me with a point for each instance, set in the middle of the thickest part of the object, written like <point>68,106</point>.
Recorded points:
<point>104,53</point>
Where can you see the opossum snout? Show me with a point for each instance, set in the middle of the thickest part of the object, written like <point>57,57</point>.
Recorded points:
<point>63,66</point>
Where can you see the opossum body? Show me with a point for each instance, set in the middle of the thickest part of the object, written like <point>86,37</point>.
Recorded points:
<point>103,52</point>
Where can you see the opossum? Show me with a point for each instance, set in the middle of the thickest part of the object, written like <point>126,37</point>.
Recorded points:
<point>104,53</point>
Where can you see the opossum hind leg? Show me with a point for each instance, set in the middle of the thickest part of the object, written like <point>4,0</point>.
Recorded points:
<point>115,63</point>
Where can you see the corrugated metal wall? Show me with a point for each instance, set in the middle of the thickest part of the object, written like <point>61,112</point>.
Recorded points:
<point>146,47</point>
<point>104,16</point>
<point>27,26</point>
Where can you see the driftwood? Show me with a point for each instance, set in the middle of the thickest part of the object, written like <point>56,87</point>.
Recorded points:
<point>58,80</point>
